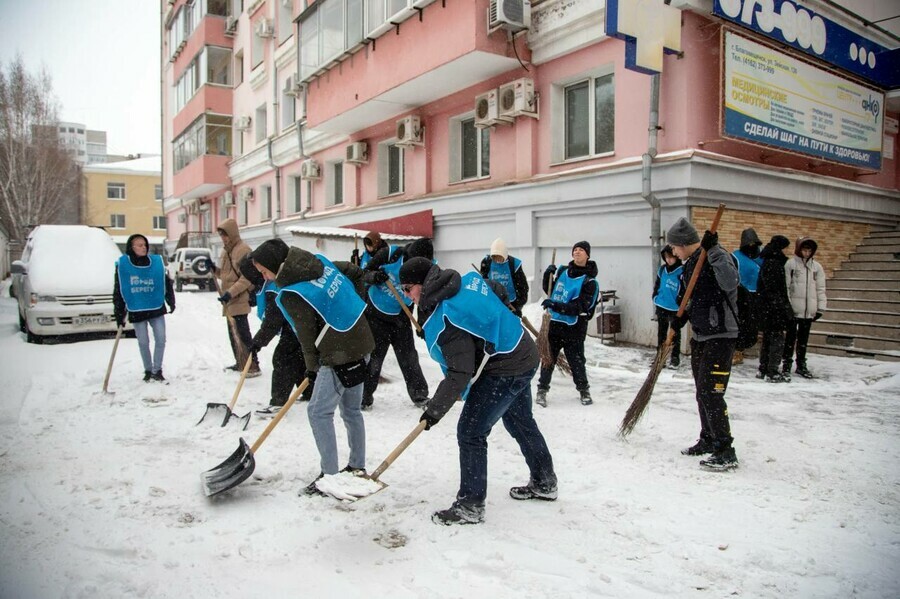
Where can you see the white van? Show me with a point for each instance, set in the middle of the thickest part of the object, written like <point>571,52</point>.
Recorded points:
<point>64,281</point>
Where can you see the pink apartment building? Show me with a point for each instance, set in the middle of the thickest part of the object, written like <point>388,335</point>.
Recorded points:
<point>466,120</point>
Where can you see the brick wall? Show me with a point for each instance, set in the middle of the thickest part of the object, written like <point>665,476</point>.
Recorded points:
<point>836,239</point>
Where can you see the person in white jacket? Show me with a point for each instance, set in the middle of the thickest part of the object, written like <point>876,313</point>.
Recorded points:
<point>806,290</point>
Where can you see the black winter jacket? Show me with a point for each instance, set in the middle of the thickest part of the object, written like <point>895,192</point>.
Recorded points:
<point>775,311</point>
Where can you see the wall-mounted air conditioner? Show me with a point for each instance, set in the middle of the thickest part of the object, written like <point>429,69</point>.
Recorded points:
<point>242,123</point>
<point>246,194</point>
<point>358,153</point>
<point>230,25</point>
<point>517,98</point>
<point>511,15</point>
<point>487,110</point>
<point>292,86</point>
<point>265,28</point>
<point>228,198</point>
<point>409,131</point>
<point>309,169</point>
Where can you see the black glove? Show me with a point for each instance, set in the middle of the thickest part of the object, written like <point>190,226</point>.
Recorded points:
<point>171,308</point>
<point>210,265</point>
<point>225,297</point>
<point>550,270</point>
<point>354,257</point>
<point>376,277</point>
<point>254,346</point>
<point>678,322</point>
<point>420,333</point>
<point>549,304</point>
<point>817,316</point>
<point>709,239</point>
<point>429,419</point>
<point>120,320</point>
<point>311,376</point>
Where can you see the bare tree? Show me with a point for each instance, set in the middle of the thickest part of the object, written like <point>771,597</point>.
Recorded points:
<point>37,176</point>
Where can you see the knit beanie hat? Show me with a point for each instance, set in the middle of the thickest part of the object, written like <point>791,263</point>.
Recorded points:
<point>420,248</point>
<point>682,233</point>
<point>498,248</point>
<point>779,242</point>
<point>270,254</point>
<point>583,245</point>
<point>414,271</point>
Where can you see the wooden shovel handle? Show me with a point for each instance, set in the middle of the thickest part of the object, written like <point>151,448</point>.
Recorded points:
<point>550,282</point>
<point>399,449</point>
<point>112,357</point>
<point>403,305</point>
<point>241,382</point>
<point>232,328</point>
<point>287,406</point>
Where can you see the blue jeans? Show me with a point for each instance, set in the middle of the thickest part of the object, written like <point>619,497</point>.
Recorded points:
<point>328,394</point>
<point>490,399</point>
<point>142,333</point>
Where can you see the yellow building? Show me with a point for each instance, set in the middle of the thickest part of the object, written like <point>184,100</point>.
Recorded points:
<point>126,198</point>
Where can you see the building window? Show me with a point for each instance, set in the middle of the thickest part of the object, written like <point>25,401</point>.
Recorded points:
<point>218,65</point>
<point>220,8</point>
<point>285,10</point>
<point>332,28</point>
<point>242,211</point>
<point>157,192</point>
<point>159,223</point>
<point>238,68</point>
<point>390,169</point>
<point>288,105</point>
<point>470,150</point>
<point>265,207</point>
<point>117,221</point>
<point>260,123</point>
<point>209,134</point>
<point>257,45</point>
<point>115,191</point>
<point>297,196</point>
<point>336,184</point>
<point>589,117</point>
<point>211,65</point>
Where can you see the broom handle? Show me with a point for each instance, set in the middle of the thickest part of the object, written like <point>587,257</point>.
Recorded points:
<point>240,382</point>
<point>398,450</point>
<point>550,282</point>
<point>695,275</point>
<point>403,304</point>
<point>280,415</point>
<point>112,357</point>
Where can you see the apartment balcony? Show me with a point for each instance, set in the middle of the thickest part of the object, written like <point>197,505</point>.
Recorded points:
<point>210,32</point>
<point>443,50</point>
<point>210,98</point>
<point>204,175</point>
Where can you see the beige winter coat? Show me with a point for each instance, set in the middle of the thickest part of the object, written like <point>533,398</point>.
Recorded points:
<point>805,282</point>
<point>230,275</point>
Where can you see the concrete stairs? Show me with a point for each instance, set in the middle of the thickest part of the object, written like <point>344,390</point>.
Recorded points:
<point>863,316</point>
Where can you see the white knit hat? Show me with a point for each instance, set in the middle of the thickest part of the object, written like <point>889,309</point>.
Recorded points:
<point>498,248</point>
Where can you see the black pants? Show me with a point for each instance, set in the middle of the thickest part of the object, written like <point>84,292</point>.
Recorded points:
<point>663,320</point>
<point>288,368</point>
<point>396,333</point>
<point>711,367</point>
<point>770,352</point>
<point>569,339</point>
<point>242,326</point>
<point>797,334</point>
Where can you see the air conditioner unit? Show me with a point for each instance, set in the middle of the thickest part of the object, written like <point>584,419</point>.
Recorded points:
<point>292,87</point>
<point>242,123</point>
<point>511,15</point>
<point>487,110</point>
<point>309,169</point>
<point>230,25</point>
<point>246,194</point>
<point>409,131</point>
<point>517,99</point>
<point>264,28</point>
<point>228,198</point>
<point>182,218</point>
<point>358,153</point>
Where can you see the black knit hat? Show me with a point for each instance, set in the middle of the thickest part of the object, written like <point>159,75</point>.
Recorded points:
<point>779,242</point>
<point>414,271</point>
<point>270,254</point>
<point>583,245</point>
<point>420,248</point>
<point>682,233</point>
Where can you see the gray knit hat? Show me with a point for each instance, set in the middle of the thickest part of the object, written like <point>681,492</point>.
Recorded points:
<point>414,271</point>
<point>682,233</point>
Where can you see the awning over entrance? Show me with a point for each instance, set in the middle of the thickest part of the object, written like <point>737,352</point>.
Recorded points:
<point>418,224</point>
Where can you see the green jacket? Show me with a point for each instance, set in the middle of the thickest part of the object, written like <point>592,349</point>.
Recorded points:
<point>334,348</point>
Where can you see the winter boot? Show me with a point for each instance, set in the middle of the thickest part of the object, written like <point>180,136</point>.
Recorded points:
<point>722,460</point>
<point>254,371</point>
<point>738,358</point>
<point>354,471</point>
<point>777,378</point>
<point>270,411</point>
<point>158,376</point>
<point>803,371</point>
<point>541,398</point>
<point>786,369</point>
<point>675,360</point>
<point>760,374</point>
<point>546,492</point>
<point>703,446</point>
<point>586,397</point>
<point>459,513</point>
<point>421,402</point>
<point>367,404</point>
<point>147,375</point>
<point>312,490</point>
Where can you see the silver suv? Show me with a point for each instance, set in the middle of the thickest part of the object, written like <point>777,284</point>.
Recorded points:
<point>188,265</point>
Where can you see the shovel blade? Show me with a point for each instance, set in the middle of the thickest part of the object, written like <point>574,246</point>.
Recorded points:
<point>216,414</point>
<point>347,487</point>
<point>233,471</point>
<point>233,419</point>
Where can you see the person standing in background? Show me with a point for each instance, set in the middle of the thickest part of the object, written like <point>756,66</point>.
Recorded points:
<point>748,263</point>
<point>667,292</point>
<point>507,270</point>
<point>774,308</point>
<point>806,291</point>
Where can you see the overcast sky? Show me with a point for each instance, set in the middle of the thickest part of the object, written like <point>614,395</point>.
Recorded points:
<point>103,57</point>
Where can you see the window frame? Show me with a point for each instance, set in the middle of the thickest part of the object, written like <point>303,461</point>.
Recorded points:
<point>115,185</point>
<point>559,111</point>
<point>113,221</point>
<point>384,169</point>
<point>159,220</point>
<point>457,151</point>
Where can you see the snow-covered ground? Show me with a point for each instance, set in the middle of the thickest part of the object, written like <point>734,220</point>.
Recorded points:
<point>100,496</point>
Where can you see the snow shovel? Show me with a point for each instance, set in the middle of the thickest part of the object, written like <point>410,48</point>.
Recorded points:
<point>352,488</point>
<point>112,357</point>
<point>240,465</point>
<point>219,412</point>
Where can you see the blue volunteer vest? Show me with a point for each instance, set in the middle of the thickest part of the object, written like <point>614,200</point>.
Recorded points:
<point>566,289</point>
<point>748,268</point>
<point>503,274</point>
<point>269,287</point>
<point>332,296</point>
<point>142,287</point>
<point>669,284</point>
<point>380,296</point>
<point>477,310</point>
<point>364,258</point>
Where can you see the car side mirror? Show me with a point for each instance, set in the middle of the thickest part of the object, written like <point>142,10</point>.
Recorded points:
<point>18,268</point>
<point>172,258</point>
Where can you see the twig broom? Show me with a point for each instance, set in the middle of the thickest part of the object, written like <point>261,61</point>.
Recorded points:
<point>543,339</point>
<point>642,400</point>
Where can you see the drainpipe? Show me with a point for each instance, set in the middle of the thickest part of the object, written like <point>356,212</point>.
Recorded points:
<point>646,162</point>
<point>300,123</point>
<point>277,215</point>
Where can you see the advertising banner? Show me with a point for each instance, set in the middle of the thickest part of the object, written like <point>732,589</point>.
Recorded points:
<point>774,99</point>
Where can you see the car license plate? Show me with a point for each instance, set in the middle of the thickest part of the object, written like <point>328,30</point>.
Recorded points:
<point>84,320</point>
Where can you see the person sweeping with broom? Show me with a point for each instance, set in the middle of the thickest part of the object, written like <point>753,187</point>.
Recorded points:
<point>714,332</point>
